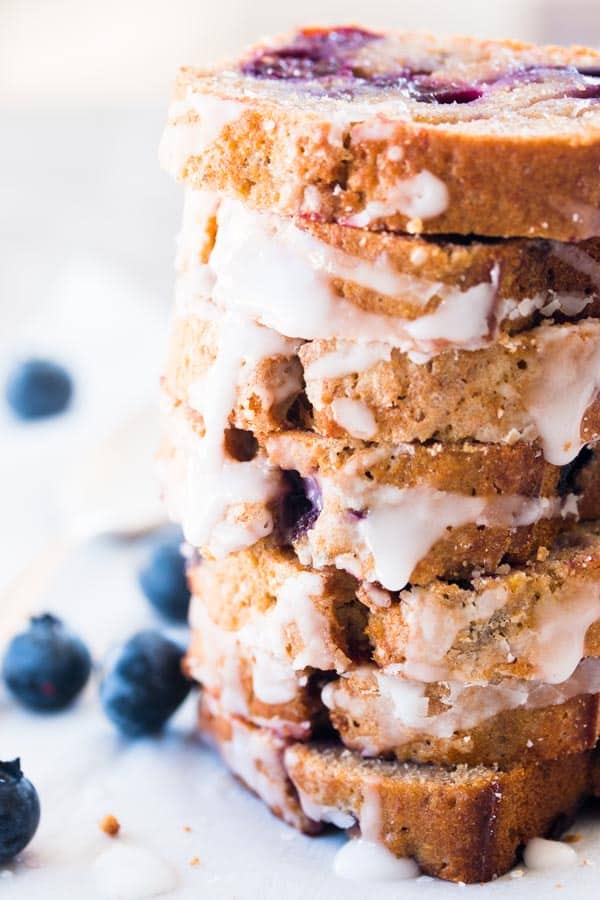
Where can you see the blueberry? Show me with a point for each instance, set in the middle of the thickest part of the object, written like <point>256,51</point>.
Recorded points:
<point>299,507</point>
<point>163,579</point>
<point>314,53</point>
<point>46,666</point>
<point>38,388</point>
<point>145,684</point>
<point>19,810</point>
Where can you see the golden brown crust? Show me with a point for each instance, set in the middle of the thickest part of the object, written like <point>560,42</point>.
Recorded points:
<point>469,468</point>
<point>461,824</point>
<point>535,177</point>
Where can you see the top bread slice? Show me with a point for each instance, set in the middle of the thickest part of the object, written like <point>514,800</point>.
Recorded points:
<point>398,131</point>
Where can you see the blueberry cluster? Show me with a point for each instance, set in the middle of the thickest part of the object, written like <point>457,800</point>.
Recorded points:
<point>46,667</point>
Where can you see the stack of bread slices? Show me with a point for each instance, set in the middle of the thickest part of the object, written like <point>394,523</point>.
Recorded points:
<point>383,398</point>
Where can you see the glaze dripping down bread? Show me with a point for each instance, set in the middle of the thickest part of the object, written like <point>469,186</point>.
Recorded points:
<point>381,426</point>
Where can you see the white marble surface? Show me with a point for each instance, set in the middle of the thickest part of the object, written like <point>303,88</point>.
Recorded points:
<point>86,253</point>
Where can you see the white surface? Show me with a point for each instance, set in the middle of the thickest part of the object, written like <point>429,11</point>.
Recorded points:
<point>86,276</point>
<point>126,49</point>
<point>157,787</point>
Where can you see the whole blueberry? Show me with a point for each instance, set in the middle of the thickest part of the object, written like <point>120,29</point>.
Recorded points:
<point>19,810</point>
<point>163,580</point>
<point>145,684</point>
<point>38,388</point>
<point>46,666</point>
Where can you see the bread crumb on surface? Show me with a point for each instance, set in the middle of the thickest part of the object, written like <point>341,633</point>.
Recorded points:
<point>187,828</point>
<point>110,825</point>
<point>195,861</point>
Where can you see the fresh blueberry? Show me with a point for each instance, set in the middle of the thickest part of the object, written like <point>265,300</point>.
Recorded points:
<point>46,666</point>
<point>38,388</point>
<point>19,810</point>
<point>163,579</point>
<point>145,684</point>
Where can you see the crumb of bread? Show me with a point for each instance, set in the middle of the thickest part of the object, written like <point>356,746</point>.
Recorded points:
<point>187,828</point>
<point>110,825</point>
<point>194,861</point>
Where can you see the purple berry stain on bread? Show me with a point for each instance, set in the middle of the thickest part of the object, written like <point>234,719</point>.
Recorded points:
<point>579,83</point>
<point>328,57</point>
<point>331,62</point>
<point>300,505</point>
<point>314,53</point>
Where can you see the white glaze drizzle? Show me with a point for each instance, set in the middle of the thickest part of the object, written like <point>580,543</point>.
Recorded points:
<point>222,512</point>
<point>547,304</point>
<point>422,196</point>
<point>318,812</point>
<point>552,645</point>
<point>433,626</point>
<point>347,358</point>
<point>567,382</point>
<point>543,855</point>
<point>355,417</point>
<point>402,525</point>
<point>399,526</point>
<point>362,860</point>
<point>215,485</point>
<point>256,756</point>
<point>264,641</point>
<point>183,140</point>
<point>266,267</point>
<point>555,643</point>
<point>400,706</point>
<point>370,817</point>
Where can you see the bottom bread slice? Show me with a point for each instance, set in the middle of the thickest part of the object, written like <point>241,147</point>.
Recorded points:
<point>460,823</point>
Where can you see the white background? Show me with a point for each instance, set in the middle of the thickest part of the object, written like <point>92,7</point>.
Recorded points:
<point>86,242</point>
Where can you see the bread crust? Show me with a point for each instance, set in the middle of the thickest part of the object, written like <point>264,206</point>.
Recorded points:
<point>460,824</point>
<point>528,175</point>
